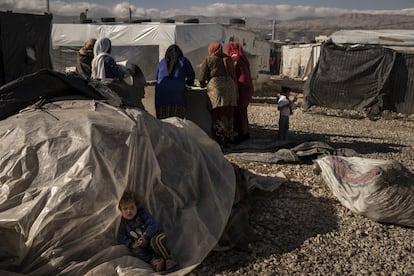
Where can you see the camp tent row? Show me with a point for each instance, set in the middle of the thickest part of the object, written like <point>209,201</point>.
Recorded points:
<point>144,44</point>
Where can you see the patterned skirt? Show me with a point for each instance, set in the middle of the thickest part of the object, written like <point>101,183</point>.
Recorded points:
<point>170,110</point>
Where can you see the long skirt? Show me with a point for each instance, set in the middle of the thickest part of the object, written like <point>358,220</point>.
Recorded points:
<point>222,124</point>
<point>170,110</point>
<point>241,120</point>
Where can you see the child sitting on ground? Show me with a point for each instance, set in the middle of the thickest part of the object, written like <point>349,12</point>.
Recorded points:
<point>142,234</point>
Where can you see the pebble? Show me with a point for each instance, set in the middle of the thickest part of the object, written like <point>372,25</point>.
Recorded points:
<point>314,233</point>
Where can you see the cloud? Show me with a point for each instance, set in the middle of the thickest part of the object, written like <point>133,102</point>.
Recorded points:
<point>280,12</point>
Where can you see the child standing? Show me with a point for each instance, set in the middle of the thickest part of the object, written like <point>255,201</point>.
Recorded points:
<point>142,234</point>
<point>284,105</point>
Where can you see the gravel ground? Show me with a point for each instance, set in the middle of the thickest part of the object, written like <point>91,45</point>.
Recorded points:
<point>302,228</point>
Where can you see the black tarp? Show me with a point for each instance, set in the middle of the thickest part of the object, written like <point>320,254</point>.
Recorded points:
<point>402,84</point>
<point>350,77</point>
<point>24,44</point>
<point>47,85</point>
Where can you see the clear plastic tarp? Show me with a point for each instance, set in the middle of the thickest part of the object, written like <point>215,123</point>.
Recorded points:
<point>64,167</point>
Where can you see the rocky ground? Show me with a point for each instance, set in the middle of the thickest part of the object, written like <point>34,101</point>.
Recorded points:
<point>302,228</point>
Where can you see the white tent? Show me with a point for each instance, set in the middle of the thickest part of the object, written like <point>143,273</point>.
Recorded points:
<point>142,44</point>
<point>298,60</point>
<point>398,40</point>
<point>380,37</point>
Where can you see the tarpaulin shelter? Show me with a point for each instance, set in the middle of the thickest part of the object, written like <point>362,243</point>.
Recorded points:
<point>143,44</point>
<point>24,44</point>
<point>372,70</point>
<point>70,148</point>
<point>298,60</point>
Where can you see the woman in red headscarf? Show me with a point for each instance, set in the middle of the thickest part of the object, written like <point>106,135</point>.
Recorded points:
<point>245,89</point>
<point>218,74</point>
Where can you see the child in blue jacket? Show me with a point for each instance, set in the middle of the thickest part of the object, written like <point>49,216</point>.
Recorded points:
<point>142,234</point>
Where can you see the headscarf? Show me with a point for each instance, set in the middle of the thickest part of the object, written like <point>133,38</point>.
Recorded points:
<point>215,49</point>
<point>101,49</point>
<point>87,48</point>
<point>172,55</point>
<point>235,51</point>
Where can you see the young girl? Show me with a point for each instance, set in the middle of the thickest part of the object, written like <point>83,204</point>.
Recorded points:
<point>142,234</point>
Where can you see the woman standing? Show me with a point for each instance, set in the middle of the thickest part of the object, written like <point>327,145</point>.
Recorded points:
<point>173,73</point>
<point>103,64</point>
<point>218,74</point>
<point>85,56</point>
<point>245,90</point>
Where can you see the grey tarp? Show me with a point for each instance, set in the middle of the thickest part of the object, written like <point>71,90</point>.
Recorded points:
<point>350,77</point>
<point>382,190</point>
<point>288,151</point>
<point>65,163</point>
<point>64,167</point>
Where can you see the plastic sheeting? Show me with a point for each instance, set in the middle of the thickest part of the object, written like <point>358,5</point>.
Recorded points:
<point>350,78</point>
<point>295,59</point>
<point>380,37</point>
<point>24,44</point>
<point>142,44</point>
<point>64,167</point>
<point>382,190</point>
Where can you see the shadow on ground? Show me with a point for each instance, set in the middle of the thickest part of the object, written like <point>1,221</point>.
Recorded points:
<point>264,140</point>
<point>283,219</point>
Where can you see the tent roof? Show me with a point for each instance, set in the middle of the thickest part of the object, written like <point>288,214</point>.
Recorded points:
<point>386,37</point>
<point>188,36</point>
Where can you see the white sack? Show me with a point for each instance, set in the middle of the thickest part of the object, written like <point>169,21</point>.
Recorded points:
<point>382,190</point>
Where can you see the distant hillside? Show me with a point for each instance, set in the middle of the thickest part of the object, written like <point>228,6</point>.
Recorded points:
<point>307,29</point>
<point>303,29</point>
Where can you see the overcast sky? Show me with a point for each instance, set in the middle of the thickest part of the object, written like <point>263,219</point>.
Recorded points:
<point>282,10</point>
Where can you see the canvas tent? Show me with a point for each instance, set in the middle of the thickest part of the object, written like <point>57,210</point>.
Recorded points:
<point>67,159</point>
<point>143,44</point>
<point>298,60</point>
<point>24,44</point>
<point>372,70</point>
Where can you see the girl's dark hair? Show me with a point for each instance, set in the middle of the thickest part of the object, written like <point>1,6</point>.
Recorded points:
<point>129,196</point>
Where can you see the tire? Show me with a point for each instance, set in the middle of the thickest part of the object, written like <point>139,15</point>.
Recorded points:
<point>192,20</point>
<point>167,20</point>
<point>108,19</point>
<point>237,21</point>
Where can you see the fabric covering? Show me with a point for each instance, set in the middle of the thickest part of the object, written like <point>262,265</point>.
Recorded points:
<point>24,38</point>
<point>65,165</point>
<point>382,190</point>
<point>350,77</point>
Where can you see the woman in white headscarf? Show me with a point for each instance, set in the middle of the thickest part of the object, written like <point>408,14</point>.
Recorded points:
<point>103,64</point>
